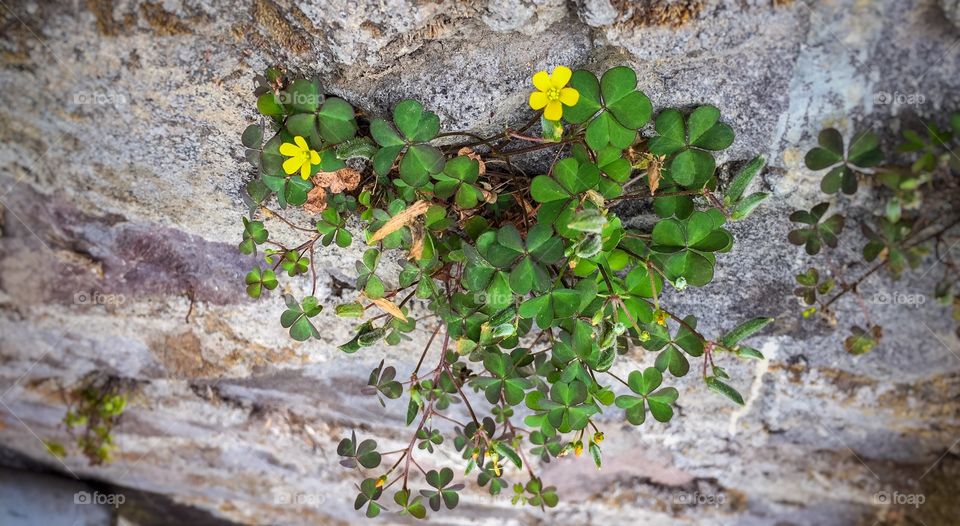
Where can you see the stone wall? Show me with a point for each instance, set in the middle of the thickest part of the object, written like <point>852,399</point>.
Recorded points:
<point>120,190</point>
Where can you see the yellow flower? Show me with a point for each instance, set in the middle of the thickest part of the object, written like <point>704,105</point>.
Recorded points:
<point>301,157</point>
<point>598,437</point>
<point>660,317</point>
<point>553,93</point>
<point>578,448</point>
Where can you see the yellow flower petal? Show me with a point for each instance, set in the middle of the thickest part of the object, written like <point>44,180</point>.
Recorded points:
<point>305,171</point>
<point>291,165</point>
<point>289,149</point>
<point>554,111</point>
<point>560,76</point>
<point>542,81</point>
<point>302,143</point>
<point>538,100</point>
<point>569,96</point>
<point>314,157</point>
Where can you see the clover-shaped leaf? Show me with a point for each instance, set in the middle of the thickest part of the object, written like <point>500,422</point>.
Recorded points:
<point>457,179</point>
<point>504,383</point>
<point>864,152</point>
<point>367,280</point>
<point>560,193</point>
<point>365,453</point>
<point>811,286</point>
<point>294,263</point>
<point>686,246</point>
<point>818,232</point>
<point>887,240</point>
<point>258,279</point>
<point>370,491</point>
<point>382,380</point>
<point>558,304</point>
<point>541,496</point>
<point>429,438</point>
<point>687,146</point>
<point>566,408</point>
<point>622,108</point>
<point>419,160</point>
<point>297,317</point>
<point>413,507</point>
<point>862,340</point>
<point>444,492</point>
<point>254,234</point>
<point>614,169</point>
<point>332,226</point>
<point>505,248</point>
<point>659,401</point>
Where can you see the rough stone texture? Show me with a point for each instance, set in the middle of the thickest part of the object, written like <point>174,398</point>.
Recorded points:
<point>121,179</point>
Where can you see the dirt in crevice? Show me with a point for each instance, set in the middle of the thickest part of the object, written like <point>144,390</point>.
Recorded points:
<point>163,22</point>
<point>649,13</point>
<point>107,25</point>
<point>266,14</point>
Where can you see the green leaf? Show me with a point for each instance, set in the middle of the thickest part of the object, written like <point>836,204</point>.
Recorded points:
<point>252,136</point>
<point>700,121</point>
<point>744,330</point>
<point>297,317</point>
<point>336,121</point>
<point>302,96</point>
<point>673,360</point>
<point>302,124</point>
<point>644,383</point>
<point>718,386</point>
<point>384,134</point>
<point>744,177</point>
<point>691,166</point>
<point>267,105</point>
<point>746,206</point>
<point>630,107</point>
<point>508,453</point>
<point>419,163</point>
<point>544,190</point>
<point>414,123</point>
<point>590,103</point>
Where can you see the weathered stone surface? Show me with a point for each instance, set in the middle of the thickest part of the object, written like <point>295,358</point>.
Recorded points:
<point>121,179</point>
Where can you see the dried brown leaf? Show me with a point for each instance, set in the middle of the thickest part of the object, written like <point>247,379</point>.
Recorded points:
<point>416,249</point>
<point>316,201</point>
<point>388,307</point>
<point>400,220</point>
<point>654,174</point>
<point>344,179</point>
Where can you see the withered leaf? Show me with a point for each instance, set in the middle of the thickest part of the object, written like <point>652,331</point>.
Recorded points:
<point>316,201</point>
<point>400,220</point>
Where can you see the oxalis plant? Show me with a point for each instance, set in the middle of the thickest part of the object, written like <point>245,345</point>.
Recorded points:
<point>914,215</point>
<point>534,286</point>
